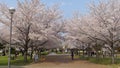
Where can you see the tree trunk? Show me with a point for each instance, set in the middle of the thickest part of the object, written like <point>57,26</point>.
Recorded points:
<point>38,52</point>
<point>89,54</point>
<point>25,56</point>
<point>79,52</point>
<point>83,53</point>
<point>112,56</point>
<point>31,55</point>
<point>3,53</point>
<point>22,51</point>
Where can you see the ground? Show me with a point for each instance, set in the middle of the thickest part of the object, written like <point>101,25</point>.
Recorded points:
<point>62,61</point>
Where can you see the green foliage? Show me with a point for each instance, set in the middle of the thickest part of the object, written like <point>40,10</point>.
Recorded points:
<point>1,46</point>
<point>45,53</point>
<point>12,50</point>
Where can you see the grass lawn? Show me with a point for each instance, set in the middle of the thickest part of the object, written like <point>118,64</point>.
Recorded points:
<point>104,61</point>
<point>12,67</point>
<point>18,61</point>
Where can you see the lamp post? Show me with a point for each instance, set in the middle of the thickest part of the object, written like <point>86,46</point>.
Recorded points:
<point>11,10</point>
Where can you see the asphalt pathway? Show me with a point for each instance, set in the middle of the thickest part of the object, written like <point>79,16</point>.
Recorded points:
<point>64,61</point>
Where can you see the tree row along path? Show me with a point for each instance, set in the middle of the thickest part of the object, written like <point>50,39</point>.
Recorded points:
<point>64,61</point>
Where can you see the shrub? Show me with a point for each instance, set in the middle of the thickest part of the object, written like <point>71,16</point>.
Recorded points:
<point>45,53</point>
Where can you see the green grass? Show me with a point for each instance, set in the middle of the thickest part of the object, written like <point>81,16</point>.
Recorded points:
<point>3,60</point>
<point>104,61</point>
<point>18,61</point>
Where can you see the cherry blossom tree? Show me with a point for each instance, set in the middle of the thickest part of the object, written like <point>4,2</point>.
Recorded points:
<point>102,24</point>
<point>107,20</point>
<point>34,24</point>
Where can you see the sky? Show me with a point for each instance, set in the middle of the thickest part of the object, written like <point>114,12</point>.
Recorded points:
<point>67,6</point>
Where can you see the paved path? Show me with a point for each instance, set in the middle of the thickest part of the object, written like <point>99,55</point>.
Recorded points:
<point>62,61</point>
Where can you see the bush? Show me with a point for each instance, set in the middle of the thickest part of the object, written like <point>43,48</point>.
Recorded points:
<point>12,50</point>
<point>45,53</point>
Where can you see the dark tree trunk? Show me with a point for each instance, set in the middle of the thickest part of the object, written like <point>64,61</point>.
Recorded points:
<point>3,53</point>
<point>25,53</point>
<point>38,52</point>
<point>22,53</point>
<point>83,53</point>
<point>25,56</point>
<point>31,55</point>
<point>112,52</point>
<point>112,55</point>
